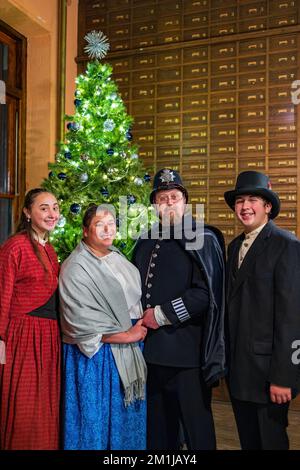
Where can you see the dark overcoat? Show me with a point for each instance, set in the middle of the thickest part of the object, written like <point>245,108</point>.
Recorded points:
<point>263,314</point>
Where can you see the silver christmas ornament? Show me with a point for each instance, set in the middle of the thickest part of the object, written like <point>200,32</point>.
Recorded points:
<point>138,181</point>
<point>83,177</point>
<point>108,125</point>
<point>61,221</point>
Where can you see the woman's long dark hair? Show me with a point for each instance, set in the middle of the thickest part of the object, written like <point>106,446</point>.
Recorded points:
<point>24,225</point>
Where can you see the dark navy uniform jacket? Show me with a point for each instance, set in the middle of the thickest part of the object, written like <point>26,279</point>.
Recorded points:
<point>189,287</point>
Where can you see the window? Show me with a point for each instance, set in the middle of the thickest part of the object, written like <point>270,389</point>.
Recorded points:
<point>12,128</point>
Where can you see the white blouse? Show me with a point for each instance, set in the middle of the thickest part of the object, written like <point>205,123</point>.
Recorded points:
<point>130,280</point>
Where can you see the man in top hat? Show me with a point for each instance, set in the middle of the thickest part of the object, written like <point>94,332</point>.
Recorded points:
<point>184,305</point>
<point>263,315</point>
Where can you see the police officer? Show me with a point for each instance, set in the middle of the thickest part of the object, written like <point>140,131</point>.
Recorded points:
<point>183,310</point>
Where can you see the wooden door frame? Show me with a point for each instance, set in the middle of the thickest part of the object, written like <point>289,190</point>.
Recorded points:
<point>19,92</point>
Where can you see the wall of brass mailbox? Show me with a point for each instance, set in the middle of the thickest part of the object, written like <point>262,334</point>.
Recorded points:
<point>208,83</point>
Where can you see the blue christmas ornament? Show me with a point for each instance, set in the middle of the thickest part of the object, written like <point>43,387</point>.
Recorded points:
<point>131,199</point>
<point>128,135</point>
<point>75,208</point>
<point>110,152</point>
<point>51,174</point>
<point>147,178</point>
<point>62,176</point>
<point>77,103</point>
<point>68,155</point>
<point>73,126</point>
<point>122,245</point>
<point>104,192</point>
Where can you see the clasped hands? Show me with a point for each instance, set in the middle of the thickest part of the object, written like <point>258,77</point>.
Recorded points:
<point>149,319</point>
<point>138,332</point>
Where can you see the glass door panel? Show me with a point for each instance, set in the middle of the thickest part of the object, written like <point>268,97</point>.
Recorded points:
<point>5,219</point>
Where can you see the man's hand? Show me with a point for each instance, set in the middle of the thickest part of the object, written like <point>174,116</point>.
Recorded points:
<point>280,394</point>
<point>149,319</point>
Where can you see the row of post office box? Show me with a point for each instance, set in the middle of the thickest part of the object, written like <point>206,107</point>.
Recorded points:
<point>196,164</point>
<point>197,88</point>
<point>283,114</point>
<point>195,79</point>
<point>213,100</point>
<point>141,8</point>
<point>257,146</point>
<point>190,62</point>
<point>280,183</point>
<point>169,14</point>
<point>215,199</point>
<point>123,38</point>
<point>215,52</point>
<point>194,93</point>
<point>246,131</point>
<point>228,165</point>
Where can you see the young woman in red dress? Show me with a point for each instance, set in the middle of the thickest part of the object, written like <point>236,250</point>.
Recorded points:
<point>30,344</point>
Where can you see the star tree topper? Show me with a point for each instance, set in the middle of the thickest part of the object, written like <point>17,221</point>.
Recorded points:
<point>98,45</point>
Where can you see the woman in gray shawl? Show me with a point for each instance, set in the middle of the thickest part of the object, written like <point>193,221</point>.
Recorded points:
<point>104,369</point>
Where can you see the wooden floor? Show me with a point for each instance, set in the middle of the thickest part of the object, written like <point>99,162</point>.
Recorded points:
<point>227,438</point>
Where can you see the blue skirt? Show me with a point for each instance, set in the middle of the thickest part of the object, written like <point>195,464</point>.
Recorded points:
<point>94,415</point>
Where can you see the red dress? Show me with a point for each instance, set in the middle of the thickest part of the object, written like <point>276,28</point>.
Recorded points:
<point>30,379</point>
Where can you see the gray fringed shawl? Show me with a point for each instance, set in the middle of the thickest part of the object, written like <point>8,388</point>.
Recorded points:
<point>92,302</point>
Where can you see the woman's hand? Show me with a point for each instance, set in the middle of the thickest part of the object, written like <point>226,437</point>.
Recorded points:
<point>137,332</point>
<point>133,335</point>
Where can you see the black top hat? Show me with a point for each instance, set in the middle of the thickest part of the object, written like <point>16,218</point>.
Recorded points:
<point>167,179</point>
<point>258,184</point>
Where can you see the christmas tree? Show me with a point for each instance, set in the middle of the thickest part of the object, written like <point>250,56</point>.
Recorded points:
<point>97,162</point>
